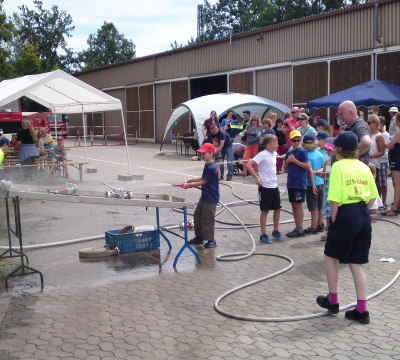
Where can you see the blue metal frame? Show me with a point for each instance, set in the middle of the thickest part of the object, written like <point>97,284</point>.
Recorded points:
<point>185,237</point>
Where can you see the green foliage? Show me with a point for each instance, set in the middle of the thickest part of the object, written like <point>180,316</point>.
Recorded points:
<point>6,33</point>
<point>47,32</point>
<point>251,15</point>
<point>106,47</point>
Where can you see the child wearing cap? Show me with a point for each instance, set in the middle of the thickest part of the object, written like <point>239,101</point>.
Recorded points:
<point>268,191</point>
<point>204,214</point>
<point>297,166</point>
<point>314,201</point>
<point>352,191</point>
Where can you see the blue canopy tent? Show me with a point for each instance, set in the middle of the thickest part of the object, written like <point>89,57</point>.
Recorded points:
<point>374,92</point>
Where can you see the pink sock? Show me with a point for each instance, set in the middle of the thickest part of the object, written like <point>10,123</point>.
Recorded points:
<point>333,298</point>
<point>361,306</point>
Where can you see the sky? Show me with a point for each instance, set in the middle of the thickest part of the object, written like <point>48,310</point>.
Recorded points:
<point>151,24</point>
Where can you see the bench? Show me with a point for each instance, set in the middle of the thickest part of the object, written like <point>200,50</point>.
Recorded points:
<point>75,164</point>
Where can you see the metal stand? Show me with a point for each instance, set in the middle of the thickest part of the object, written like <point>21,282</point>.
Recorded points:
<point>23,269</point>
<point>185,237</point>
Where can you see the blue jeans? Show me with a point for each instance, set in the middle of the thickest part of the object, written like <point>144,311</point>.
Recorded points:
<point>228,152</point>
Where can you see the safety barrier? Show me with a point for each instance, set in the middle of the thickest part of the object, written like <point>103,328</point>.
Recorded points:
<point>104,137</point>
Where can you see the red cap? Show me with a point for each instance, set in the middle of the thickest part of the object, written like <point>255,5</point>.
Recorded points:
<point>207,147</point>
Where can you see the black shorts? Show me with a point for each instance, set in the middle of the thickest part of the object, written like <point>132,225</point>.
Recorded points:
<point>315,202</point>
<point>349,237</point>
<point>296,195</point>
<point>270,199</point>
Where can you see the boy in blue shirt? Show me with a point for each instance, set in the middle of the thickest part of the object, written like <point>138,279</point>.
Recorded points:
<point>204,214</point>
<point>297,166</point>
<point>315,202</point>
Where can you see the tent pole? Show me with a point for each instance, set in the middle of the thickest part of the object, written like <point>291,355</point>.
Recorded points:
<point>84,132</point>
<point>126,142</point>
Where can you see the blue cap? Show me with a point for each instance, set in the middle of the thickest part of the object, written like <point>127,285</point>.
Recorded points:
<point>347,140</point>
<point>322,135</point>
<point>321,122</point>
<point>308,139</point>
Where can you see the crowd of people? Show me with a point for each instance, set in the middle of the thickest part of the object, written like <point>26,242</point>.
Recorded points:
<point>31,146</point>
<point>340,171</point>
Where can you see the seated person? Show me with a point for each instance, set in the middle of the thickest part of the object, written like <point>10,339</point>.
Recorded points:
<point>61,154</point>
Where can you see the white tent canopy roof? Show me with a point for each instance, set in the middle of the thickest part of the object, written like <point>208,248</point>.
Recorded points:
<point>58,91</point>
<point>200,108</point>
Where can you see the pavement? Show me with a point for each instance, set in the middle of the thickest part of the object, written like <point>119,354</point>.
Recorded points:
<point>137,306</point>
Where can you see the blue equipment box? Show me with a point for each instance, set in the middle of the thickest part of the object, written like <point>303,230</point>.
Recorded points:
<point>130,242</point>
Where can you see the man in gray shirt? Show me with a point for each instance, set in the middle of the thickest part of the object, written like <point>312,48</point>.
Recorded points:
<point>348,113</point>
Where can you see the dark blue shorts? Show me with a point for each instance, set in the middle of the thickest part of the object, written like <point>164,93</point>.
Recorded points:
<point>296,195</point>
<point>349,237</point>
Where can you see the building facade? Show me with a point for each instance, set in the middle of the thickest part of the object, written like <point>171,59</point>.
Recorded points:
<point>290,63</point>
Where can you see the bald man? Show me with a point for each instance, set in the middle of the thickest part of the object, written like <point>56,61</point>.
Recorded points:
<point>348,113</point>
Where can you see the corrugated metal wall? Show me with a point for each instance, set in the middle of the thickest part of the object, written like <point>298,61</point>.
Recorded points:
<point>163,106</point>
<point>275,84</point>
<point>390,24</point>
<point>339,33</point>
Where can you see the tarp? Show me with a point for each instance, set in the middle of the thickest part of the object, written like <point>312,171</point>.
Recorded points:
<point>64,94</point>
<point>200,108</point>
<point>374,92</point>
<point>58,91</point>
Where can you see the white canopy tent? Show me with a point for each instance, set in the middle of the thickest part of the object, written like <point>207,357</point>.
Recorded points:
<point>62,93</point>
<point>201,107</point>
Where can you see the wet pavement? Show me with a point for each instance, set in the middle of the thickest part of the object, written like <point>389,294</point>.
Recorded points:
<point>137,306</point>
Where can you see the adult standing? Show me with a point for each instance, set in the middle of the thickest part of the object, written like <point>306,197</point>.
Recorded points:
<point>394,163</point>
<point>305,128</point>
<point>376,156</point>
<point>267,129</point>
<point>246,118</point>
<point>337,126</point>
<point>27,144</point>
<point>392,127</point>
<point>348,113</point>
<point>293,123</point>
<point>225,122</point>
<point>252,132</point>
<point>280,132</point>
<point>225,148</point>
<point>206,126</point>
<point>236,126</point>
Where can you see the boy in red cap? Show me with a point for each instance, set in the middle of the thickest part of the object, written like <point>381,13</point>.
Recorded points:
<point>204,214</point>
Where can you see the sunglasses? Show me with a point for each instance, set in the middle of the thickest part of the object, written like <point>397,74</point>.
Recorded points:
<point>370,113</point>
<point>294,112</point>
<point>370,122</point>
<point>295,140</point>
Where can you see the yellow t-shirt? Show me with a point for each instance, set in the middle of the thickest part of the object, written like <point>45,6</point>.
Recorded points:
<point>351,181</point>
<point>1,157</point>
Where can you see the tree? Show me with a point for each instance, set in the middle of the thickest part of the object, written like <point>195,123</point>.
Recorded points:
<point>106,47</point>
<point>6,33</point>
<point>47,32</point>
<point>251,15</point>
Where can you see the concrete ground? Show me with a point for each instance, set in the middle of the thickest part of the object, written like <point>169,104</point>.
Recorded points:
<point>137,306</point>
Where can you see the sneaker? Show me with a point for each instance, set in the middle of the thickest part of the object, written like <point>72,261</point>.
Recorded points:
<point>221,178</point>
<point>295,233</point>
<point>362,318</point>
<point>196,241</point>
<point>210,244</point>
<point>228,178</point>
<point>277,235</point>
<point>324,303</point>
<point>320,228</point>
<point>264,239</point>
<point>311,231</point>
